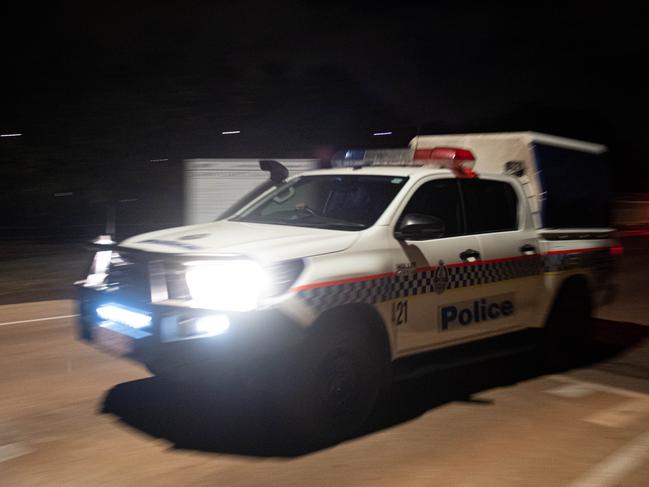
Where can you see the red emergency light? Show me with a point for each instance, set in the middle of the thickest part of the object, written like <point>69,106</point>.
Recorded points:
<point>460,160</point>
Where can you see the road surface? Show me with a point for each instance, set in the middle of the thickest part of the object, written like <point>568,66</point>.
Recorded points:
<point>71,415</point>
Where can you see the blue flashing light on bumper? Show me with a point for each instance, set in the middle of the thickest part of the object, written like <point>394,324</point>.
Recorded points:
<point>118,314</point>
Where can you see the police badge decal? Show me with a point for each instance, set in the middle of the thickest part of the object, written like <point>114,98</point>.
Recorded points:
<point>440,278</point>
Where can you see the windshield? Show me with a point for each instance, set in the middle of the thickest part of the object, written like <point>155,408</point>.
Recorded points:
<point>340,202</point>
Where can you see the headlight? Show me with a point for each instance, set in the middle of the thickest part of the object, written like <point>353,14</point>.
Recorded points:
<point>235,285</point>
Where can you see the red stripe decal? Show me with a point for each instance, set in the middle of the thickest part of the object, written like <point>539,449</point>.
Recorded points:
<point>424,269</point>
<point>342,281</point>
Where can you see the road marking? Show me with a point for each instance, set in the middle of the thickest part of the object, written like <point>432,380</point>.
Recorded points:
<point>616,466</point>
<point>571,391</point>
<point>38,319</point>
<point>599,387</point>
<point>13,450</point>
<point>618,416</point>
<point>621,415</point>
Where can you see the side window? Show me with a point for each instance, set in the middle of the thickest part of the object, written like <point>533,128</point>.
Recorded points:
<point>440,198</point>
<point>490,206</point>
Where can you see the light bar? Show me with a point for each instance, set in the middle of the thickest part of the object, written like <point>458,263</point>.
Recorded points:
<point>444,153</point>
<point>459,160</point>
<point>386,157</point>
<point>118,314</point>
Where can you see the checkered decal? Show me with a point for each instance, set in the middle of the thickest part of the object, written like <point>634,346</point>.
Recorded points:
<point>416,283</point>
<point>479,273</point>
<point>370,291</point>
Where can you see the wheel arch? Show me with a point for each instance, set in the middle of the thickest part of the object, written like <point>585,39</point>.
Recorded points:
<point>574,283</point>
<point>366,316</point>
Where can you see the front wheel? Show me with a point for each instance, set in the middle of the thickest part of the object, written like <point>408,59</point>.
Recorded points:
<point>333,382</point>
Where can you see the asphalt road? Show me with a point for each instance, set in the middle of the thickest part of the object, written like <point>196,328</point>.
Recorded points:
<point>40,271</point>
<point>71,415</point>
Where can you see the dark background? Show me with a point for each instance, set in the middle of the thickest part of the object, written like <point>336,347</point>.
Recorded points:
<point>99,89</point>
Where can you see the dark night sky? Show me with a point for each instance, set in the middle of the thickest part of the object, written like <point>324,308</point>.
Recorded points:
<point>114,84</point>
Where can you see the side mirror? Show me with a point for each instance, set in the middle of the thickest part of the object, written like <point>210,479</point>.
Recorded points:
<point>415,226</point>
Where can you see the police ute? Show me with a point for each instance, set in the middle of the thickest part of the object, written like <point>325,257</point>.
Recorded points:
<point>318,290</point>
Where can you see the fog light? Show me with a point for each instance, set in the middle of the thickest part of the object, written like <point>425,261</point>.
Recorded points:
<point>212,325</point>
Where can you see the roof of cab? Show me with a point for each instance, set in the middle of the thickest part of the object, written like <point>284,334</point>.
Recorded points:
<point>377,170</point>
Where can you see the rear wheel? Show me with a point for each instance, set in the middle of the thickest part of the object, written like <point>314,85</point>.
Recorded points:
<point>567,334</point>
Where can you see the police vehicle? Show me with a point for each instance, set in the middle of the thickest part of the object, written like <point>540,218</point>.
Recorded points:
<point>318,289</point>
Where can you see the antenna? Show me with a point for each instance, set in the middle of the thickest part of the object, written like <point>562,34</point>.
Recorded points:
<point>417,138</point>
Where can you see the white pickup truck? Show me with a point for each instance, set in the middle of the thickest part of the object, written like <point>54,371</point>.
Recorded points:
<point>320,287</point>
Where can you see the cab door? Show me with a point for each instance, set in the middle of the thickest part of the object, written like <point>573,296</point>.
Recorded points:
<point>430,281</point>
<point>511,268</point>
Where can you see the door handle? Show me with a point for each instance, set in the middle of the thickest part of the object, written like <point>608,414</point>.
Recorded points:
<point>470,255</point>
<point>528,249</point>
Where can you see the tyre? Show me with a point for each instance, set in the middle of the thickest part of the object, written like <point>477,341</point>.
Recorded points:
<point>333,381</point>
<point>566,337</point>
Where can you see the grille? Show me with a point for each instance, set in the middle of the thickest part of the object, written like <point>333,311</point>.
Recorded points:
<point>136,273</point>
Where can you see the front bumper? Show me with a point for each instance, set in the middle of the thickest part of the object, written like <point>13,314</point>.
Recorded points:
<point>252,338</point>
